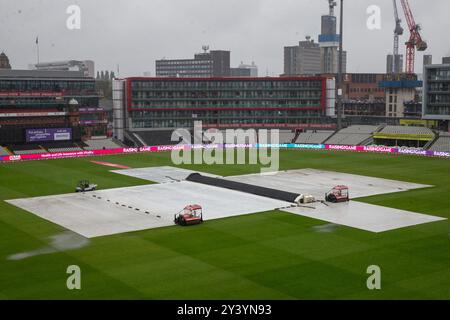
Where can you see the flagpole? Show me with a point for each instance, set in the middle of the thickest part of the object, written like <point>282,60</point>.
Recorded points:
<point>37,46</point>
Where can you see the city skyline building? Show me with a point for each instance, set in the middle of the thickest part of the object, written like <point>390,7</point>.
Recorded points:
<point>214,63</point>
<point>303,59</point>
<point>245,70</point>
<point>85,66</point>
<point>436,94</point>
<point>4,61</point>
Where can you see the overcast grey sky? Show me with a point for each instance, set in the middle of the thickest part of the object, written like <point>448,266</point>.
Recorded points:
<point>133,33</point>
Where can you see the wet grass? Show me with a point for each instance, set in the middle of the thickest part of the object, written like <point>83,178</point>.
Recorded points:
<point>271,255</point>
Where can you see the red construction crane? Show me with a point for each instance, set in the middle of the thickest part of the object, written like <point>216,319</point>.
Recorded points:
<point>415,40</point>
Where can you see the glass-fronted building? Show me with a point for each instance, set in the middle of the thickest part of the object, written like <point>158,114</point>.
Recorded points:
<point>162,103</point>
<point>436,94</point>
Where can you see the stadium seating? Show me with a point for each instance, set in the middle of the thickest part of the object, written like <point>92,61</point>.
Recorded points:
<point>403,130</point>
<point>131,139</point>
<point>54,147</point>
<point>34,151</point>
<point>3,152</point>
<point>222,132</point>
<point>55,150</point>
<point>442,144</point>
<point>156,138</point>
<point>405,136</point>
<point>362,129</point>
<point>101,144</point>
<point>313,137</point>
<point>287,136</point>
<point>26,149</point>
<point>353,135</point>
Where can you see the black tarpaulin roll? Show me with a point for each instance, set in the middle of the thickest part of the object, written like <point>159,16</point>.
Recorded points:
<point>243,187</point>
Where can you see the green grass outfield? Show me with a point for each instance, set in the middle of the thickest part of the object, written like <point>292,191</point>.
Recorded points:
<point>271,255</point>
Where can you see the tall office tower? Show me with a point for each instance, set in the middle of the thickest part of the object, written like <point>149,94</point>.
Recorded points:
<point>303,59</point>
<point>214,63</point>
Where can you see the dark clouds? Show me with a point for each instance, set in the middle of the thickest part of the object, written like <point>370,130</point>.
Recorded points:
<point>133,33</point>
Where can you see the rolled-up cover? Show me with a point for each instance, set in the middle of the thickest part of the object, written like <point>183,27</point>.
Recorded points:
<point>243,187</point>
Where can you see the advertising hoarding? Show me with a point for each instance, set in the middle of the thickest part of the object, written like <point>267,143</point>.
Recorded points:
<point>41,135</point>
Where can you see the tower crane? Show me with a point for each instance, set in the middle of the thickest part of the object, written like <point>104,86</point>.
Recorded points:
<point>415,40</point>
<point>397,33</point>
<point>332,4</point>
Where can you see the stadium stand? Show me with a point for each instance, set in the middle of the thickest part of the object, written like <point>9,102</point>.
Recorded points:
<point>253,137</point>
<point>405,136</point>
<point>287,136</point>
<point>35,151</point>
<point>56,150</point>
<point>156,138</point>
<point>3,152</point>
<point>314,137</point>
<point>442,144</point>
<point>137,140</point>
<point>132,140</point>
<point>404,130</point>
<point>62,147</point>
<point>210,141</point>
<point>198,137</point>
<point>26,149</point>
<point>353,135</point>
<point>101,144</point>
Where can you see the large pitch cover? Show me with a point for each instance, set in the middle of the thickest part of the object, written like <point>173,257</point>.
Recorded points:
<point>243,187</point>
